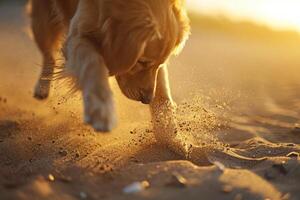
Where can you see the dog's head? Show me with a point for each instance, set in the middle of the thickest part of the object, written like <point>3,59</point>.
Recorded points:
<point>138,36</point>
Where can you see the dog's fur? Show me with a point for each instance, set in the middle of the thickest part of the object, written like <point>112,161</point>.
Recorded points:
<point>129,39</point>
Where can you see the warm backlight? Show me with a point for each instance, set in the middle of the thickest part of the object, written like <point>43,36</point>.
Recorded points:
<point>280,14</point>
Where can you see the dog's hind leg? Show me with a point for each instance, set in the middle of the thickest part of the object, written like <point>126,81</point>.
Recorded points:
<point>47,30</point>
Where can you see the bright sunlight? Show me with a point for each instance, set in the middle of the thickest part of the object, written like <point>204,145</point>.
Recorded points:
<point>278,14</point>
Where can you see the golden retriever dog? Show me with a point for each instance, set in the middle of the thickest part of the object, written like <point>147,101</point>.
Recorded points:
<point>129,39</point>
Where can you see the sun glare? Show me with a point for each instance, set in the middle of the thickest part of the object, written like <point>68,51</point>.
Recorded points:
<point>280,14</point>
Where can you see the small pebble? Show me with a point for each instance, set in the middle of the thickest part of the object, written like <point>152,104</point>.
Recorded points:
<point>51,178</point>
<point>136,187</point>
<point>177,181</point>
<point>220,166</point>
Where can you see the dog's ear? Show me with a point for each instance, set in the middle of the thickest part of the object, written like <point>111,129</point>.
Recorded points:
<point>125,33</point>
<point>180,13</point>
<point>177,3</point>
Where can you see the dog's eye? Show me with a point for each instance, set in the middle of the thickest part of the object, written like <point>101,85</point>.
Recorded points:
<point>145,62</point>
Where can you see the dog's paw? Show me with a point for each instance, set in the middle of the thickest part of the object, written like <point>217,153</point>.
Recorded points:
<point>99,112</point>
<point>42,89</point>
<point>164,120</point>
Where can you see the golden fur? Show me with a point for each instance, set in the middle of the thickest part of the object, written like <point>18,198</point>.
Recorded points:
<point>129,39</point>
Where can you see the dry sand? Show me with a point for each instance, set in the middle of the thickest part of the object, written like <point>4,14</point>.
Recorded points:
<point>239,105</point>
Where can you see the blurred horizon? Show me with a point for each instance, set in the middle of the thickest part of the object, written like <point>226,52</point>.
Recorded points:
<point>277,14</point>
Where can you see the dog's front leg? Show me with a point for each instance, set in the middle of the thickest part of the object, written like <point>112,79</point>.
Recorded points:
<point>163,112</point>
<point>91,75</point>
<point>163,109</point>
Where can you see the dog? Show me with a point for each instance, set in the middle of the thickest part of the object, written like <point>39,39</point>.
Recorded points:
<point>132,40</point>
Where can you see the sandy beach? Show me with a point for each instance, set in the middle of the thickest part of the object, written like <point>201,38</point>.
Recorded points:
<point>237,86</point>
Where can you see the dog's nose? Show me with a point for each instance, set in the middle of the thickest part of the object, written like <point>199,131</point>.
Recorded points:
<point>146,99</point>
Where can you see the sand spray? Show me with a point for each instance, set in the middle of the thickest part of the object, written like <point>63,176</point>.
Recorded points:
<point>184,127</point>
